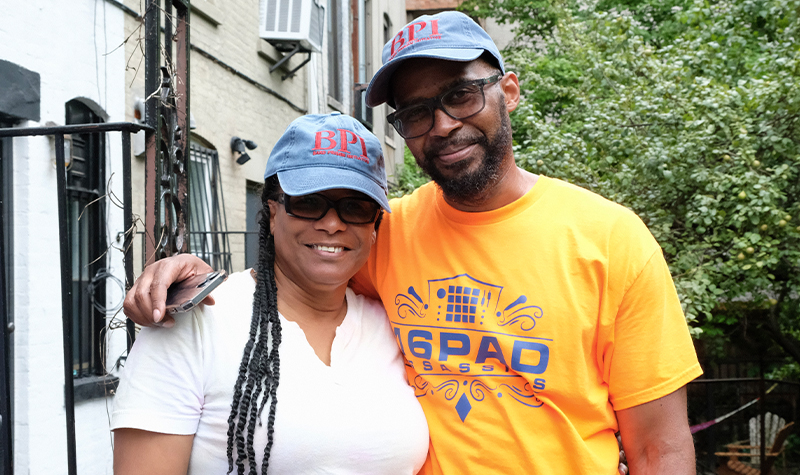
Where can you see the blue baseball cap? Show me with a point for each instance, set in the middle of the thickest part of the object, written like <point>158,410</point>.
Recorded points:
<point>449,35</point>
<point>325,151</point>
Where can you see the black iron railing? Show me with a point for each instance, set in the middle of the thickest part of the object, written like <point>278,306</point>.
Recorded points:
<point>58,133</point>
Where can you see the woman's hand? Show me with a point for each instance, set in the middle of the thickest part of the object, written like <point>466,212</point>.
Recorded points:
<point>145,302</point>
<point>140,451</point>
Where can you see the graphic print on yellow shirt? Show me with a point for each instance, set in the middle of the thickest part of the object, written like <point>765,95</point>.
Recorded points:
<point>470,335</point>
<point>525,328</point>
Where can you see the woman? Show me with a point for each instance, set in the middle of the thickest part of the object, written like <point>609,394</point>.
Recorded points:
<point>190,402</point>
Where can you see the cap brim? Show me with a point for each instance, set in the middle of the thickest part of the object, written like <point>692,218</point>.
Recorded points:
<point>378,90</point>
<point>304,181</point>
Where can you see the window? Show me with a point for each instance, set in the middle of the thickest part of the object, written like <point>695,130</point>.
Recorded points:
<point>387,36</point>
<point>208,227</point>
<point>253,210</point>
<point>362,56</point>
<point>335,69</point>
<point>87,228</point>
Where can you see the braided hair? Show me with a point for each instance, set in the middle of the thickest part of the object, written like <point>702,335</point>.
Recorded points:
<point>259,371</point>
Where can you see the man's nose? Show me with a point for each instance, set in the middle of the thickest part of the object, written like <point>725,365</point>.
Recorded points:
<point>443,124</point>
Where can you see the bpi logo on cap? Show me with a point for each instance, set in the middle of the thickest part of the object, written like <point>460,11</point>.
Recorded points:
<point>346,139</point>
<point>414,33</point>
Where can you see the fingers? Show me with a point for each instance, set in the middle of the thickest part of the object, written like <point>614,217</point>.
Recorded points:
<point>623,467</point>
<point>145,302</point>
<point>166,322</point>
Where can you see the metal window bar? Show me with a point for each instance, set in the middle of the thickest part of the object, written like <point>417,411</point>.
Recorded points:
<point>208,227</point>
<point>59,132</point>
<point>226,257</point>
<point>6,324</point>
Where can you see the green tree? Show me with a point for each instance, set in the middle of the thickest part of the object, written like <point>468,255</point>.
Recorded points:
<point>691,120</point>
<point>531,19</point>
<point>409,177</point>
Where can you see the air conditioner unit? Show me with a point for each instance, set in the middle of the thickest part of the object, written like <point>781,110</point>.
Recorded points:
<point>287,23</point>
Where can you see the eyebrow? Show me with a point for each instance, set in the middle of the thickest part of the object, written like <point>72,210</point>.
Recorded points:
<point>448,86</point>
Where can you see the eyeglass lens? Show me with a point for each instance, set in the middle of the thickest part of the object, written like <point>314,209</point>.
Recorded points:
<point>351,210</point>
<point>461,102</point>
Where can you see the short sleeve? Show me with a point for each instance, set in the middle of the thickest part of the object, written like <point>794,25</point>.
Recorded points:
<point>161,386</point>
<point>652,354</point>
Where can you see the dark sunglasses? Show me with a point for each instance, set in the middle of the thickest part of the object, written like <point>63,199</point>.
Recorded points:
<point>460,102</point>
<point>351,209</point>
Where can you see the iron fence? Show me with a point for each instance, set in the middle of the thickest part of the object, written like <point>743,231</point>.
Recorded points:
<point>67,289</point>
<point>709,399</point>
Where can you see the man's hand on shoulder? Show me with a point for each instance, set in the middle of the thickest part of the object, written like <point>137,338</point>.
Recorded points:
<point>145,301</point>
<point>656,436</point>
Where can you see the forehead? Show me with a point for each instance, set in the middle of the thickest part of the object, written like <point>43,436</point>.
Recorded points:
<point>421,78</point>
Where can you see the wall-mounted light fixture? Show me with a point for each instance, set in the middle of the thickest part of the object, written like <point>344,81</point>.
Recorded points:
<point>68,148</point>
<point>68,151</point>
<point>238,148</point>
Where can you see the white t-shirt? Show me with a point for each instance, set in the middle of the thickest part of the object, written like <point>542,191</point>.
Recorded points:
<point>358,415</point>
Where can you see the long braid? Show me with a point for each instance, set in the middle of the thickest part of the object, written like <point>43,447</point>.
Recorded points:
<point>259,371</point>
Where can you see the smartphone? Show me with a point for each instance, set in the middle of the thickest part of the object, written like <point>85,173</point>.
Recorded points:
<point>187,294</point>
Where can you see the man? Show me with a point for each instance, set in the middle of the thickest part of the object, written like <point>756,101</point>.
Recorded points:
<point>536,318</point>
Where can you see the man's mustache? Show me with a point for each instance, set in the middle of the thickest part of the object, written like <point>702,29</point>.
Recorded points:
<point>437,146</point>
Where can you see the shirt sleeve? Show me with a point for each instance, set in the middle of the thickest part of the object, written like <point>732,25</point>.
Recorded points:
<point>652,354</point>
<point>161,386</point>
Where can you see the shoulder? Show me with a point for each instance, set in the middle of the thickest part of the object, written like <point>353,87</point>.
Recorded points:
<point>233,307</point>
<point>370,311</point>
<point>424,195</point>
<point>576,196</point>
<point>590,209</point>
<point>236,286</point>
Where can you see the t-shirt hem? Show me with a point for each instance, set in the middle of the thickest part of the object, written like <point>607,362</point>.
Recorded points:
<point>153,423</point>
<point>661,390</point>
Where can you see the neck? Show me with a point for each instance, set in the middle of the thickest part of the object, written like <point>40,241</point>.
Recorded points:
<point>317,306</point>
<point>511,184</point>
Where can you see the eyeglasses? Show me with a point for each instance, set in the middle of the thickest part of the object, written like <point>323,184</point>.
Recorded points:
<point>351,209</point>
<point>460,102</point>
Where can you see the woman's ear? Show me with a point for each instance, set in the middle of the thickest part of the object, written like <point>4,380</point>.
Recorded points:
<point>273,210</point>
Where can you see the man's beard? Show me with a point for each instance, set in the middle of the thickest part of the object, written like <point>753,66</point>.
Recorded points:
<point>462,186</point>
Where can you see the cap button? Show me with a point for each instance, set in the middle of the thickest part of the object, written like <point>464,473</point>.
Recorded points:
<point>336,113</point>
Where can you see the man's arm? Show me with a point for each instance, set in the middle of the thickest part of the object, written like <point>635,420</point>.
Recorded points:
<point>145,301</point>
<point>656,436</point>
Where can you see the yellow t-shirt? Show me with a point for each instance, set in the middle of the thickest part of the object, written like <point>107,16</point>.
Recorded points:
<point>524,328</point>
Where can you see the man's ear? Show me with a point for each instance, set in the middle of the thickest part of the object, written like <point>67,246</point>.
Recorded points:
<point>510,85</point>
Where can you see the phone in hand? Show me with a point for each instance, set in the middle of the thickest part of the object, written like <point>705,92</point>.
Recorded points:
<point>187,294</point>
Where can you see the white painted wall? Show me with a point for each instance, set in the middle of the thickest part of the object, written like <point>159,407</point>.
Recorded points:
<point>71,45</point>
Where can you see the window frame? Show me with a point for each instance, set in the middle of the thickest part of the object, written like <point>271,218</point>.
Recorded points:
<point>86,218</point>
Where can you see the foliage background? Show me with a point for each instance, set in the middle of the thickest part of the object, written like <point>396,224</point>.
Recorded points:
<point>687,113</point>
